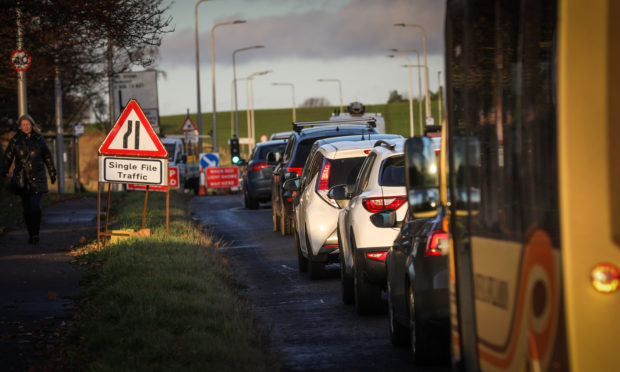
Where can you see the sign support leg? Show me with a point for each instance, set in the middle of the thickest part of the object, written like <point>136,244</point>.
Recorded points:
<point>167,210</point>
<point>146,199</point>
<point>98,214</point>
<point>107,211</point>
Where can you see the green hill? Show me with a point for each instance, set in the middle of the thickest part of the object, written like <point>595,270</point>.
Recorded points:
<point>279,120</point>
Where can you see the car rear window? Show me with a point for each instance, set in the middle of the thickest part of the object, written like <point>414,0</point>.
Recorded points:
<point>264,150</point>
<point>301,153</point>
<point>344,171</point>
<point>393,172</point>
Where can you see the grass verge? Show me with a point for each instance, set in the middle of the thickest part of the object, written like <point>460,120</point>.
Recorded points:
<point>161,303</point>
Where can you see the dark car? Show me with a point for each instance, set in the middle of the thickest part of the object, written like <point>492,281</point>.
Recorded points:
<point>257,175</point>
<point>297,149</point>
<point>417,263</point>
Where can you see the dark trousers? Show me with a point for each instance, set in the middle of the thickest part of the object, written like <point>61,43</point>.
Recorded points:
<point>31,206</point>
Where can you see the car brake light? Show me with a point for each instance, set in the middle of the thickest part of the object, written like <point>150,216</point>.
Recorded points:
<point>377,256</point>
<point>330,245</point>
<point>258,166</point>
<point>378,204</point>
<point>432,245</point>
<point>294,169</point>
<point>322,186</point>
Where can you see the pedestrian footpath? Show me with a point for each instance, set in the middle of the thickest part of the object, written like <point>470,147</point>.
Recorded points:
<point>38,282</point>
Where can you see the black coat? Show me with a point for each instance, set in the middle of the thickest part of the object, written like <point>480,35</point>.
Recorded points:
<point>31,155</point>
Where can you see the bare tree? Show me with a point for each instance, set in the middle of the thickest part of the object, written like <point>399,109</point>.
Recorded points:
<point>316,102</point>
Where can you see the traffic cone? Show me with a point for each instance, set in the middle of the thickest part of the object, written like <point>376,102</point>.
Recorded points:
<point>202,188</point>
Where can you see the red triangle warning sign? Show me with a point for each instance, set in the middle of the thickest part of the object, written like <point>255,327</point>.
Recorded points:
<point>188,125</point>
<point>133,135</point>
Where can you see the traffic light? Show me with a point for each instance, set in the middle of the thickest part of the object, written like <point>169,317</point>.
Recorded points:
<point>234,150</point>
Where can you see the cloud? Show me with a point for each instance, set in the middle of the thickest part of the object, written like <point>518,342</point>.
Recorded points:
<point>360,28</point>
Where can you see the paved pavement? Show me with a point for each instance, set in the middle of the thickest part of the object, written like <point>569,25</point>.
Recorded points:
<point>38,282</point>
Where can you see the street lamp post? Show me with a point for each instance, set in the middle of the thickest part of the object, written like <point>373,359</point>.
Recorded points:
<point>235,82</point>
<point>250,95</point>
<point>411,132</point>
<point>339,89</point>
<point>428,102</point>
<point>198,76</point>
<point>214,139</point>
<point>293,90</point>
<point>419,78</point>
<point>439,93</point>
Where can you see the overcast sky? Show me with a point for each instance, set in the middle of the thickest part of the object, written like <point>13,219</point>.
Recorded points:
<point>304,40</point>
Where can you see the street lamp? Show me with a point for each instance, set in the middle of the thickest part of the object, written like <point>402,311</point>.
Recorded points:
<point>198,76</point>
<point>250,95</point>
<point>214,140</point>
<point>439,93</point>
<point>293,90</point>
<point>410,94</point>
<point>339,89</point>
<point>235,82</point>
<point>428,102</point>
<point>419,78</point>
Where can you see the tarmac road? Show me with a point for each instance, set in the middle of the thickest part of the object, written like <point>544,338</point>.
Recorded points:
<point>308,326</point>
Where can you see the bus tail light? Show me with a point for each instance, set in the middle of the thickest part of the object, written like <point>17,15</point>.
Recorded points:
<point>605,277</point>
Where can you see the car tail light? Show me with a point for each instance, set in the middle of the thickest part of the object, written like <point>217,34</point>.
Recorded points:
<point>380,203</point>
<point>258,166</point>
<point>377,256</point>
<point>330,245</point>
<point>294,169</point>
<point>432,245</point>
<point>323,184</point>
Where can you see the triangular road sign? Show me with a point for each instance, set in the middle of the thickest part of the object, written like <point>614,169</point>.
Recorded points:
<point>133,135</point>
<point>188,125</point>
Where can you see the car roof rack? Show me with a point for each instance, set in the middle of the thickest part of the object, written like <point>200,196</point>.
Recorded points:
<point>298,126</point>
<point>385,143</point>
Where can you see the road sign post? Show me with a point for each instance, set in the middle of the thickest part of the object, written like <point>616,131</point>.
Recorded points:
<point>132,154</point>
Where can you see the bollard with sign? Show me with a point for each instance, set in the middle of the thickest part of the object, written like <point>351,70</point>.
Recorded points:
<point>132,153</point>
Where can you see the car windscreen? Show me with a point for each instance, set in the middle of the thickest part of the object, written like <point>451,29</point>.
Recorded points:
<point>393,171</point>
<point>266,149</point>
<point>344,171</point>
<point>170,148</point>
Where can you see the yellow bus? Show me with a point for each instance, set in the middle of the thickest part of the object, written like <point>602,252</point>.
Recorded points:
<point>534,87</point>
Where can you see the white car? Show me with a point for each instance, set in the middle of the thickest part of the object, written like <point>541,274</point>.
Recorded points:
<point>380,186</point>
<point>316,215</point>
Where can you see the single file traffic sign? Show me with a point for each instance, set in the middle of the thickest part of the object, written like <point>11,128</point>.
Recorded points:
<point>133,135</point>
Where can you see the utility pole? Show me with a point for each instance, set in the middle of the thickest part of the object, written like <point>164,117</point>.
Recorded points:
<point>22,95</point>
<point>60,138</point>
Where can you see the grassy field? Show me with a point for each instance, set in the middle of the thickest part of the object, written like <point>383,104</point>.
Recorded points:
<point>279,120</point>
<point>160,303</point>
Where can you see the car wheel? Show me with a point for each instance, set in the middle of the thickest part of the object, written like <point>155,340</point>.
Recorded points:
<point>251,203</point>
<point>315,268</point>
<point>367,295</point>
<point>420,343</point>
<point>346,280</point>
<point>302,261</point>
<point>275,218</point>
<point>399,334</point>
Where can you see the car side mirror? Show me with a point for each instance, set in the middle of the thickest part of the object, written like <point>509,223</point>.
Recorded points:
<point>291,185</point>
<point>338,192</point>
<point>421,177</point>
<point>385,219</point>
<point>273,158</point>
<point>290,175</point>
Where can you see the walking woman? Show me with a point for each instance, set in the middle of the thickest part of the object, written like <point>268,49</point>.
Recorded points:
<point>31,155</point>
